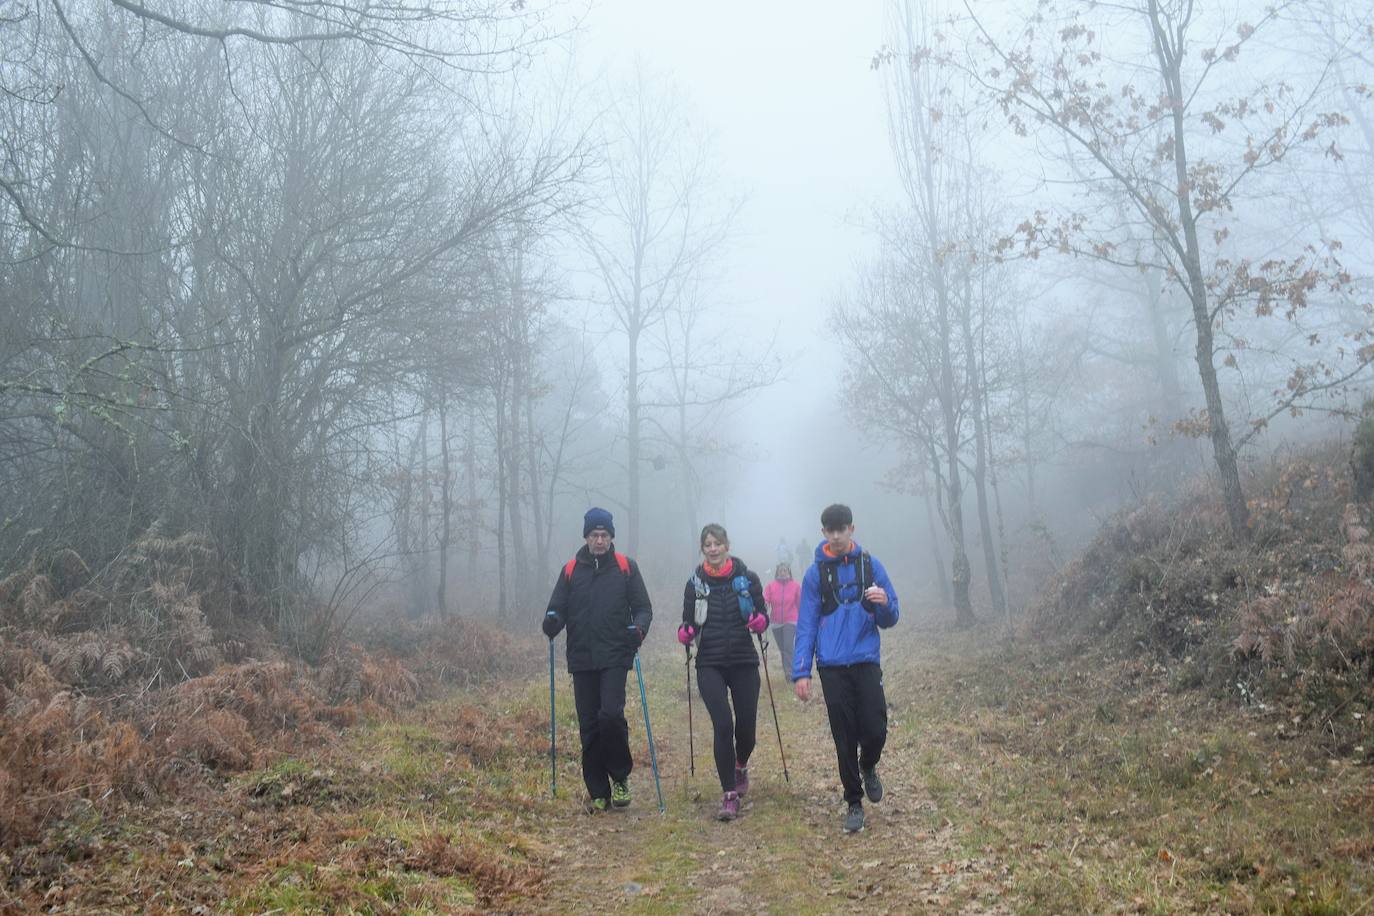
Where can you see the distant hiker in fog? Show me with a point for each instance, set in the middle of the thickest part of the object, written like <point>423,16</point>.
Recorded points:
<point>722,608</point>
<point>781,599</point>
<point>600,597</point>
<point>803,556</point>
<point>783,551</point>
<point>846,597</point>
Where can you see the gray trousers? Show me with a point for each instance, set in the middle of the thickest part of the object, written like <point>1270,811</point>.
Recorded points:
<point>785,638</point>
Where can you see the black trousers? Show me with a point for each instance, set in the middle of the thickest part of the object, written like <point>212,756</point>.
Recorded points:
<point>733,737</point>
<point>600,699</point>
<point>857,707</point>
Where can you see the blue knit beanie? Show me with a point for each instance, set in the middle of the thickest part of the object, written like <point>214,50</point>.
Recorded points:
<point>597,518</point>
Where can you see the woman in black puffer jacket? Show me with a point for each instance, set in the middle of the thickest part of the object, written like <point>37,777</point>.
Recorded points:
<point>722,609</point>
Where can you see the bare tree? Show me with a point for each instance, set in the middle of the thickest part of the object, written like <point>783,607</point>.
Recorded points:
<point>1165,106</point>
<point>703,369</point>
<point>271,284</point>
<point>447,39</point>
<point>654,232</point>
<point>929,301</point>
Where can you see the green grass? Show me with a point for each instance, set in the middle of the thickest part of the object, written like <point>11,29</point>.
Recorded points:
<point>1018,778</point>
<point>1091,795</point>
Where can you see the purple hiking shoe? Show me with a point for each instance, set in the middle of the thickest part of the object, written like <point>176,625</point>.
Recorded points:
<point>729,807</point>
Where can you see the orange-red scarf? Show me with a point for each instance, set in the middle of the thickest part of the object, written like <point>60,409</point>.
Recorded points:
<point>723,570</point>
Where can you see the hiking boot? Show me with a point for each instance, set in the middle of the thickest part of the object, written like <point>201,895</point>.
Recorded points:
<point>599,805</point>
<point>854,820</point>
<point>729,807</point>
<point>873,786</point>
<point>741,779</point>
<point>620,794</point>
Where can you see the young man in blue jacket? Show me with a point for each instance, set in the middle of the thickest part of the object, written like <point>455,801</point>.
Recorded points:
<point>846,597</point>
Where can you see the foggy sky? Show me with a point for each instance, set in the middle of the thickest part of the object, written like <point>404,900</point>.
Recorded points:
<point>800,129</point>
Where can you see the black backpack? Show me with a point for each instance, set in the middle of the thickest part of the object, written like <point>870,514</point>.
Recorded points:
<point>830,585</point>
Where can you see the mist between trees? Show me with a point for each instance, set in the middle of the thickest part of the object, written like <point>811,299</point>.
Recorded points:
<point>349,294</point>
<point>289,277</point>
<point>1100,203</point>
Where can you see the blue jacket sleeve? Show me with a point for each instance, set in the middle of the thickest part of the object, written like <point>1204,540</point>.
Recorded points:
<point>885,616</point>
<point>808,620</point>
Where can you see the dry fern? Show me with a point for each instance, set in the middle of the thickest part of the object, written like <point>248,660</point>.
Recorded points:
<point>11,587</point>
<point>1265,632</point>
<point>36,596</point>
<point>68,571</point>
<point>217,738</point>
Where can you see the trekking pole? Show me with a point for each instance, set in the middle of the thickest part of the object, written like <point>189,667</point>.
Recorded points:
<point>653,757</point>
<point>763,650</point>
<point>691,742</point>
<point>553,732</point>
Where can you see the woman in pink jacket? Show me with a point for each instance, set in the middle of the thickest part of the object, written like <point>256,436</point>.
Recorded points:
<point>782,597</point>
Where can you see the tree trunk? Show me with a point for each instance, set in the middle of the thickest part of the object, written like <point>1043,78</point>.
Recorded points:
<point>689,484</point>
<point>513,452</point>
<point>1027,426</point>
<point>501,498</point>
<point>980,452</point>
<point>961,571</point>
<point>534,464</point>
<point>1223,451</point>
<point>421,590</point>
<point>470,472</point>
<point>1166,371</point>
<point>445,507</point>
<point>631,542</point>
<point>936,555</point>
<point>996,494</point>
<point>401,521</point>
<point>515,398</point>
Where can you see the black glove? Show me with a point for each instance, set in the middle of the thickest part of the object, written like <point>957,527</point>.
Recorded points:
<point>553,624</point>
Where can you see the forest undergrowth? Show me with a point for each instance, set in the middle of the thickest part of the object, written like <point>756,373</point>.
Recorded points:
<point>157,676</point>
<point>1182,724</point>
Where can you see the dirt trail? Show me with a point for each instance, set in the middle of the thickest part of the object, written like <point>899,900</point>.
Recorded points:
<point>1018,778</point>
<point>787,851</point>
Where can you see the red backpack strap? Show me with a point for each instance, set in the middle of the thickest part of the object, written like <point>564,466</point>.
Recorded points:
<point>620,560</point>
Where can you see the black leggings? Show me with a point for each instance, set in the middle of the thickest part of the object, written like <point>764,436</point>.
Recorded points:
<point>734,737</point>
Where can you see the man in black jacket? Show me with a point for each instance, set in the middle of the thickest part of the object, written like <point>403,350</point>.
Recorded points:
<point>600,597</point>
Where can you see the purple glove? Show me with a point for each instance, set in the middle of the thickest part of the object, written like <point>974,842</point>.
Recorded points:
<point>686,633</point>
<point>756,623</point>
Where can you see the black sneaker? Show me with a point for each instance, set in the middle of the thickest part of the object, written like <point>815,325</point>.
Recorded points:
<point>873,786</point>
<point>854,820</point>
